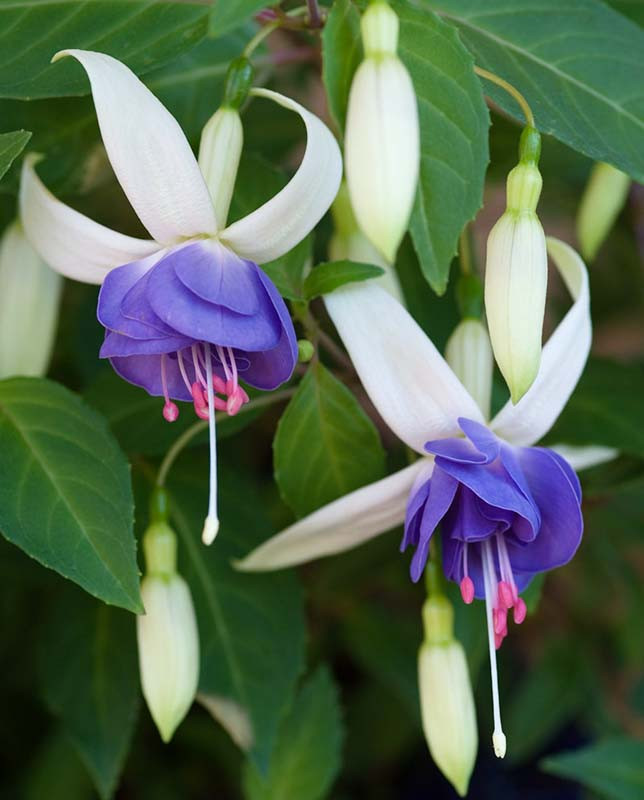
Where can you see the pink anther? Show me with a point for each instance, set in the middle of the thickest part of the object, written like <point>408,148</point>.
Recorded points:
<point>219,384</point>
<point>467,589</point>
<point>220,404</point>
<point>506,597</point>
<point>498,640</point>
<point>520,610</point>
<point>199,401</point>
<point>170,411</point>
<point>500,618</point>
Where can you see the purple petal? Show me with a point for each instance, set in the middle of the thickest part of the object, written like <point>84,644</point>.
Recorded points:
<point>442,489</point>
<point>145,371</point>
<point>561,519</point>
<point>117,345</point>
<point>215,274</point>
<point>464,520</point>
<point>413,516</point>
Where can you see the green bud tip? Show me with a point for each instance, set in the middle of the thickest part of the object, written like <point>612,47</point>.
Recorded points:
<point>530,146</point>
<point>305,350</point>
<point>469,296</point>
<point>159,503</point>
<point>239,79</point>
<point>438,620</point>
<point>160,548</point>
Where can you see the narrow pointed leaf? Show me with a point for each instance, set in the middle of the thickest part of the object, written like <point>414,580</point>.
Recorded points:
<point>11,145</point>
<point>65,494</point>
<point>332,274</point>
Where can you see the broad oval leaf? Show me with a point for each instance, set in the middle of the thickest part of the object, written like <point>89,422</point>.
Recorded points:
<point>333,274</point>
<point>65,493</point>
<point>229,14</point>
<point>454,125</point>
<point>576,69</point>
<point>142,34</point>
<point>251,627</point>
<point>325,445</point>
<point>90,680</point>
<point>307,755</point>
<point>11,145</point>
<point>341,55</point>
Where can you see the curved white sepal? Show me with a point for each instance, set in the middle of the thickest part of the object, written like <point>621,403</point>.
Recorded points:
<point>277,226</point>
<point>148,152</point>
<point>68,241</point>
<point>582,457</point>
<point>562,360</point>
<point>233,717</point>
<point>29,299</point>
<point>407,379</point>
<point>341,525</point>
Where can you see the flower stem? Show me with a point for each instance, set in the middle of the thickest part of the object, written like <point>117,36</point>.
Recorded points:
<point>189,434</point>
<point>511,90</point>
<point>316,20</point>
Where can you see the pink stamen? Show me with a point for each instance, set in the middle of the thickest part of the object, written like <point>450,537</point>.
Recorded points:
<point>233,365</point>
<point>500,618</point>
<point>520,610</point>
<point>182,370</point>
<point>220,404</point>
<point>170,411</point>
<point>467,589</point>
<point>199,401</point>
<point>195,361</point>
<point>222,358</point>
<point>219,384</point>
<point>234,403</point>
<point>506,596</point>
<point>498,640</point>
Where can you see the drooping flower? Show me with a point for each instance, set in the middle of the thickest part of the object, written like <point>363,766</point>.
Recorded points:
<point>516,274</point>
<point>29,300</point>
<point>189,313</point>
<point>508,510</point>
<point>382,137</point>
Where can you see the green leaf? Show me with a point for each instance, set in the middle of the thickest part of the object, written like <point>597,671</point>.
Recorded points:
<point>11,145</point>
<point>330,275</point>
<point>454,125</point>
<point>137,422</point>
<point>575,69</point>
<point>341,55</point>
<point>90,681</point>
<point>65,494</point>
<point>614,768</point>
<point>307,754</point>
<point>633,9</point>
<point>257,181</point>
<point>325,445</point>
<point>251,627</point>
<point>228,14</point>
<point>605,409</point>
<point>142,34</point>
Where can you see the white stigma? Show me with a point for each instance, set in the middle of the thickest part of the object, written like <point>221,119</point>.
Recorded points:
<point>211,525</point>
<point>498,737</point>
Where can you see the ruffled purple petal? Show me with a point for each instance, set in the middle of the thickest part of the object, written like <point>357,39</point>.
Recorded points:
<point>442,490</point>
<point>413,516</point>
<point>464,520</point>
<point>117,345</point>
<point>145,371</point>
<point>561,519</point>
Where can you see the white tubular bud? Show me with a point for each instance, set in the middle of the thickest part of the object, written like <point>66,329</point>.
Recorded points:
<point>219,152</point>
<point>447,704</point>
<point>603,198</point>
<point>168,650</point>
<point>516,277</point>
<point>349,242</point>
<point>469,354</point>
<point>382,138</point>
<point>29,300</point>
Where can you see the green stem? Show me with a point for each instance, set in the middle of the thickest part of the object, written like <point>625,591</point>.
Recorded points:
<point>511,90</point>
<point>189,434</point>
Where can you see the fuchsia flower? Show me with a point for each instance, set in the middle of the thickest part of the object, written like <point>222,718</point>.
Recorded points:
<point>188,313</point>
<point>507,510</point>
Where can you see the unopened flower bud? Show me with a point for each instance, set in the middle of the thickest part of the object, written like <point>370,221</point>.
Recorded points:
<point>29,300</point>
<point>167,634</point>
<point>516,277</point>
<point>382,150</point>
<point>602,201</point>
<point>349,242</point>
<point>469,354</point>
<point>219,152</point>
<point>447,704</point>
<point>305,351</point>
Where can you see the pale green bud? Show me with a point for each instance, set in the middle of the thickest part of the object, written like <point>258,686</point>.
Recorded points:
<point>469,354</point>
<point>516,277</point>
<point>168,650</point>
<point>219,152</point>
<point>382,138</point>
<point>29,301</point>
<point>447,704</point>
<point>603,198</point>
<point>349,242</point>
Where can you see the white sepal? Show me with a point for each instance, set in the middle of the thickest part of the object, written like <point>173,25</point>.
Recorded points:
<point>29,300</point>
<point>469,354</point>
<point>219,152</point>
<point>382,150</point>
<point>582,457</point>
<point>231,716</point>
<point>603,198</point>
<point>277,226</point>
<point>68,241</point>
<point>341,525</point>
<point>562,361</point>
<point>409,382</point>
<point>447,707</point>
<point>148,152</point>
<point>516,276</point>
<point>168,650</point>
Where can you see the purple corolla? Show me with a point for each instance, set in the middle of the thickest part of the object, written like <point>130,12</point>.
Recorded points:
<point>189,313</point>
